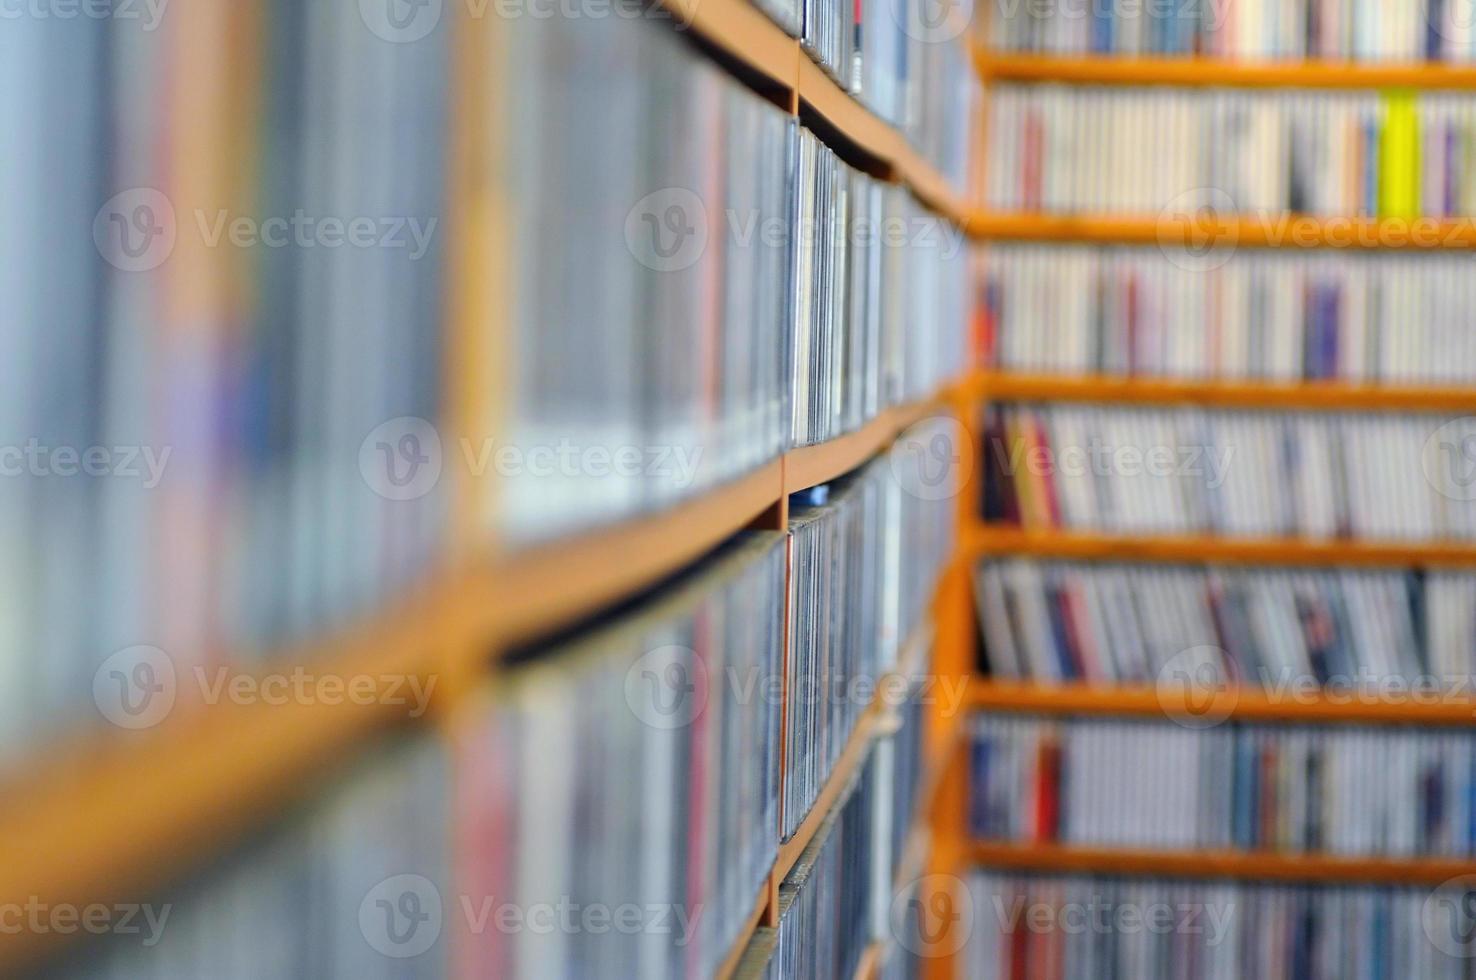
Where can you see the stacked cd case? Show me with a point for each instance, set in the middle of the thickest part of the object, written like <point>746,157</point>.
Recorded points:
<point>1152,784</point>
<point>824,901</point>
<point>848,545</point>
<point>203,327</point>
<point>1319,475</point>
<point>1076,926</point>
<point>881,293</point>
<point>635,766</point>
<point>651,282</point>
<point>357,885</point>
<point>1276,629</point>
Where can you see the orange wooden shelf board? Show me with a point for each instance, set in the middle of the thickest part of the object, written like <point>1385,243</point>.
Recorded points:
<point>986,540</point>
<point>1315,395</point>
<point>729,965</point>
<point>1219,864</point>
<point>1175,232</point>
<point>1108,70</point>
<point>110,822</point>
<point>1395,707</point>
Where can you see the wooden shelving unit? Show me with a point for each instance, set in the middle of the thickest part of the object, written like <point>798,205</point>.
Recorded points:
<point>213,775</point>
<point>1203,231</point>
<point>1197,234</point>
<point>1332,396</point>
<point>764,52</point>
<point>984,541</point>
<point>1230,704</point>
<point>1249,865</point>
<point>1221,73</point>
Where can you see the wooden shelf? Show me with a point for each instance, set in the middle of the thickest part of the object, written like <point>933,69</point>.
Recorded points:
<point>1230,704</point>
<point>761,49</point>
<point>1109,70</point>
<point>986,540</point>
<point>537,590</point>
<point>1201,232</point>
<point>811,466</point>
<point>858,746</point>
<point>85,826</point>
<point>109,822</point>
<point>751,924</point>
<point>877,139</point>
<point>1254,866</point>
<point>1309,395</point>
<point>744,34</point>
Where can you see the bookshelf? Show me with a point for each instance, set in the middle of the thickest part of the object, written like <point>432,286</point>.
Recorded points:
<point>1195,72</point>
<point>91,822</point>
<point>762,53</point>
<point>1198,234</point>
<point>217,774</point>
<point>1220,864</point>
